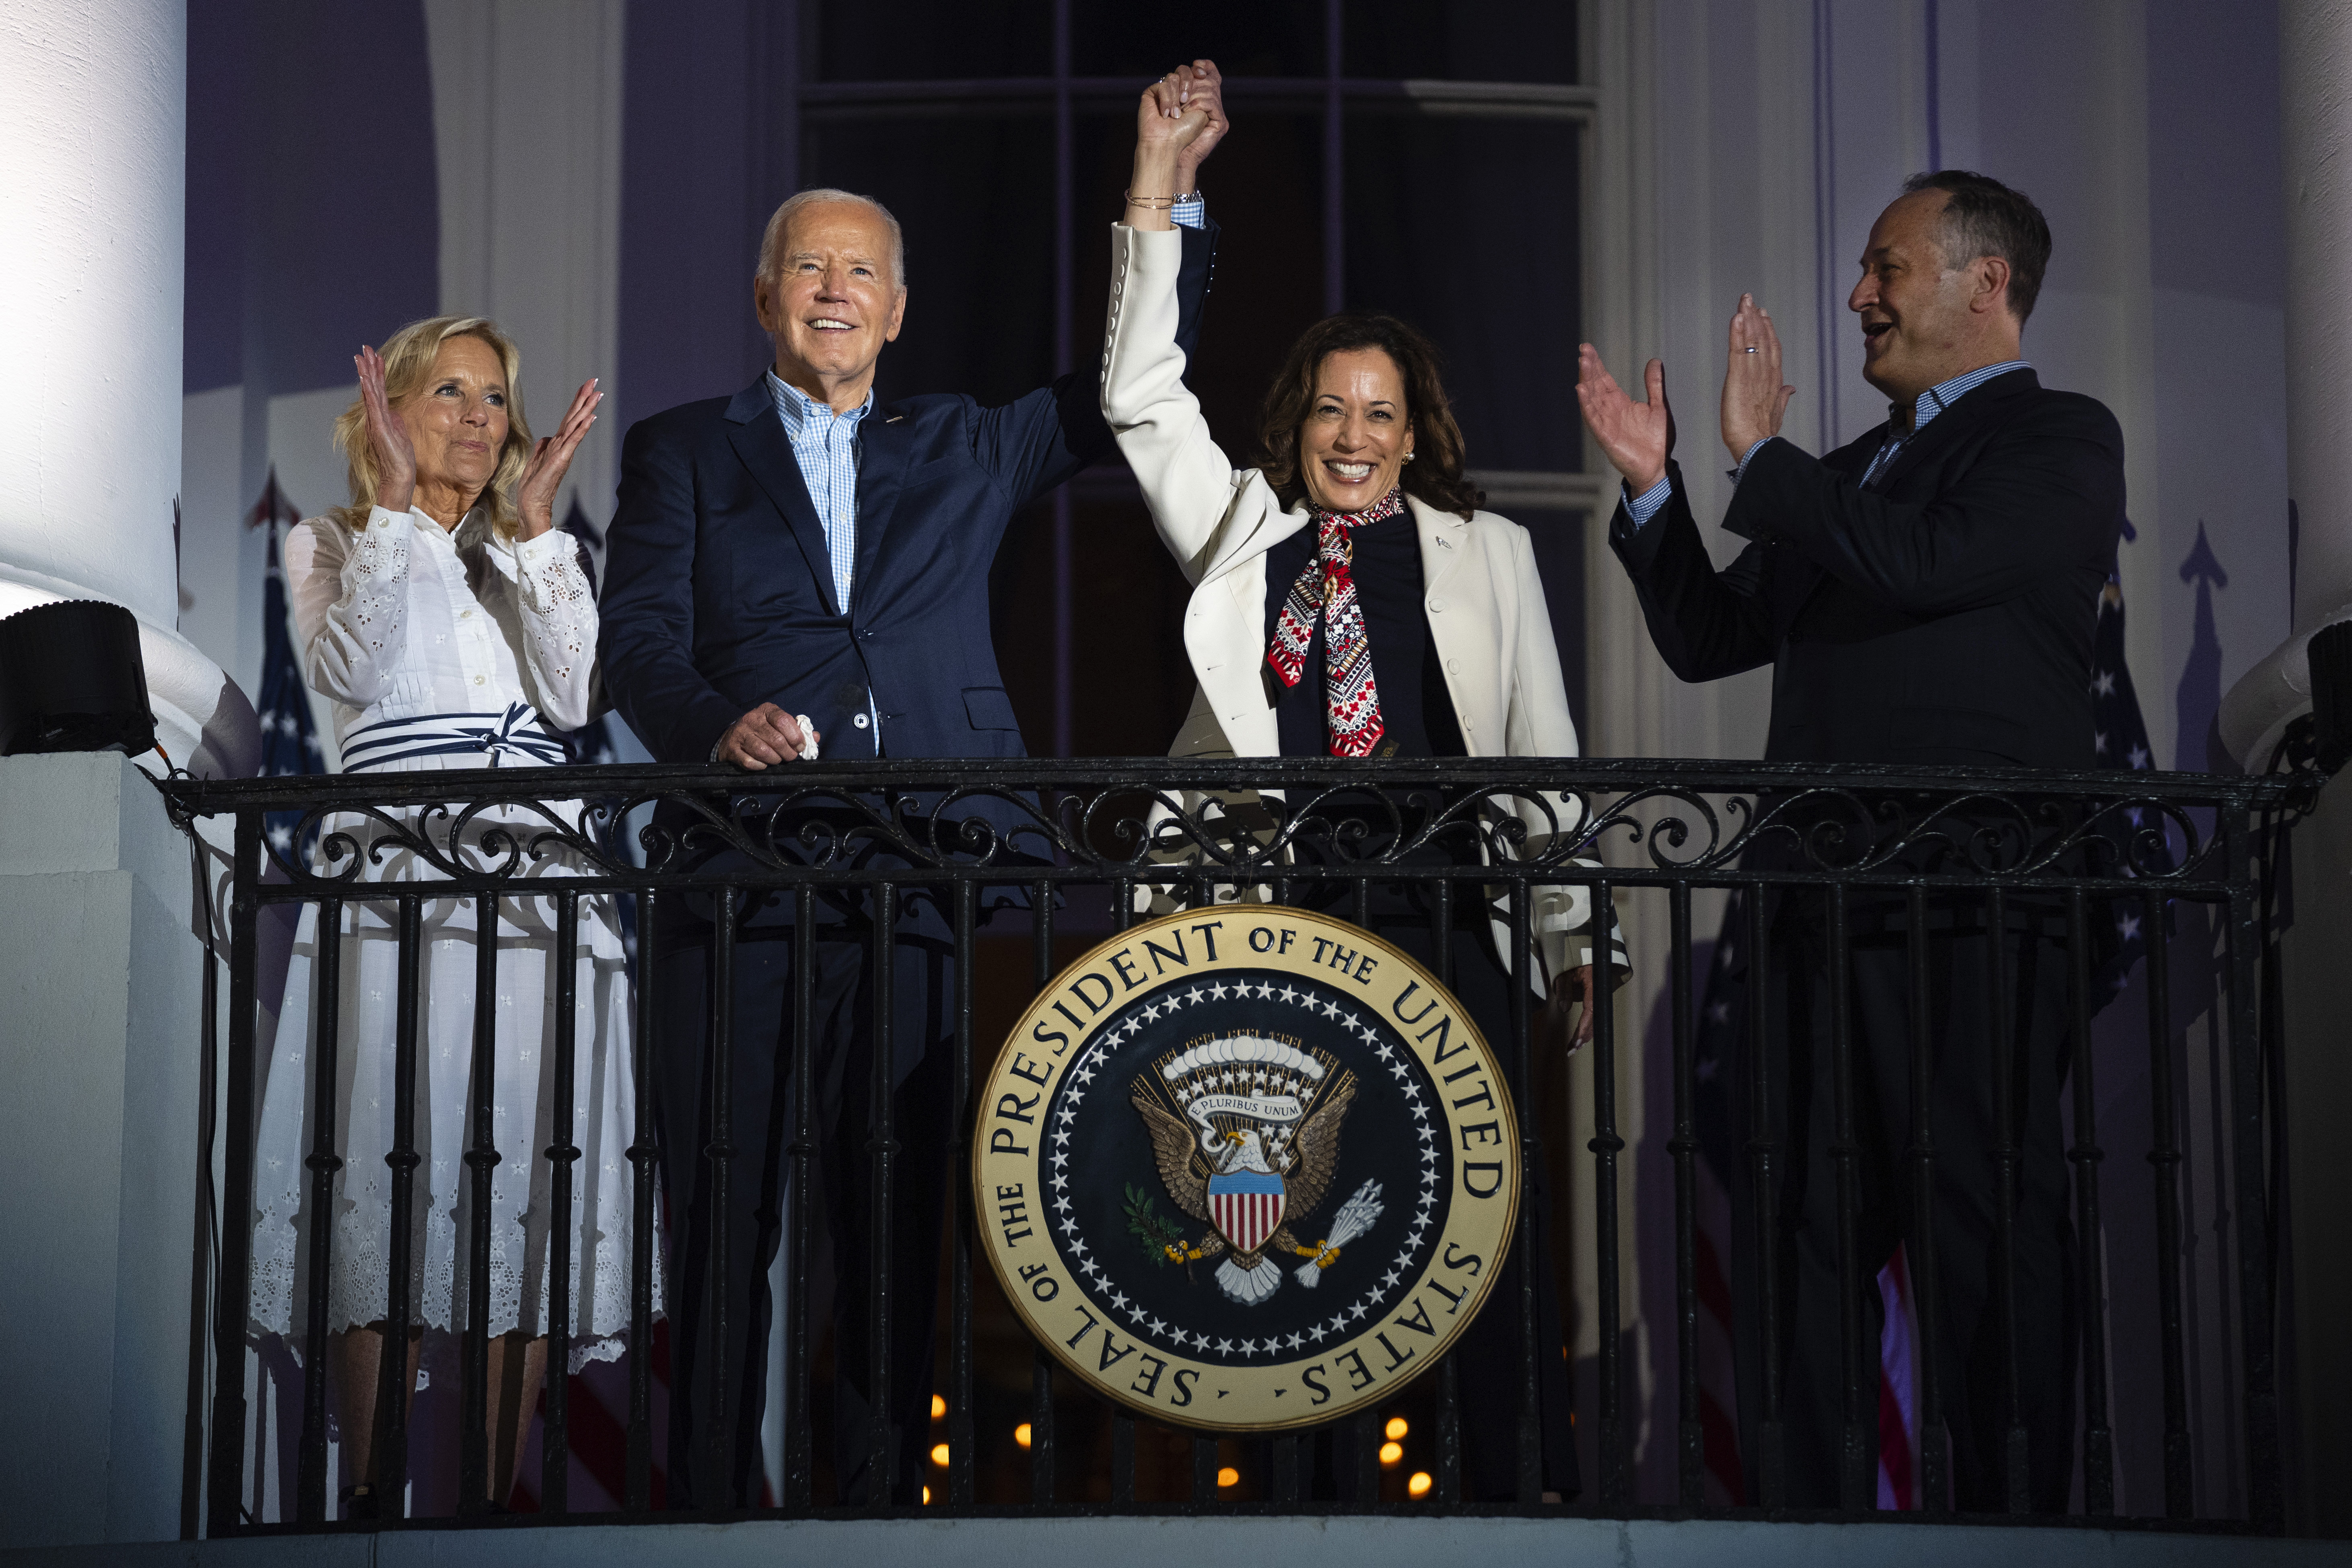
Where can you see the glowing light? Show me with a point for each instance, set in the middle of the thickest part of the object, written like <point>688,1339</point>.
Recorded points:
<point>940,1455</point>
<point>940,1408</point>
<point>926,1497</point>
<point>1229,1477</point>
<point>1021,1434</point>
<point>1396,1429</point>
<point>1391,1453</point>
<point>1419,1485</point>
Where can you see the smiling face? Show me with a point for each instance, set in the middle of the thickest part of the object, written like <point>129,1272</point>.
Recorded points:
<point>1356,434</point>
<point>458,419</point>
<point>832,302</point>
<point>1918,327</point>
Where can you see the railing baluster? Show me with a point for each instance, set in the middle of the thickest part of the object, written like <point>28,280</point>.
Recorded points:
<point>322,1162</point>
<point>643,1155</point>
<point>962,1463</point>
<point>799,1212</point>
<point>2000,1006</point>
<point>2164,1157</point>
<point>2265,1494</point>
<point>394,1383</point>
<point>882,1148</point>
<point>1448,1479</point>
<point>1763,1142</point>
<point>1122,1420</point>
<point>555,1440</point>
<point>200,1280</point>
<point>1519,1066</point>
<point>1040,1373</point>
<point>1857,1376</point>
<point>1926,1296</point>
<point>233,1300</point>
<point>2098,1438</point>
<point>1204,1469</point>
<point>1616,1486</point>
<point>1287,1488</point>
<point>719,1426</point>
<point>481,1159</point>
<point>1690,1432</point>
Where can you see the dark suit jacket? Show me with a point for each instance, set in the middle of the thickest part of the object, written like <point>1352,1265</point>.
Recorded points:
<point>718,593</point>
<point>1942,616</point>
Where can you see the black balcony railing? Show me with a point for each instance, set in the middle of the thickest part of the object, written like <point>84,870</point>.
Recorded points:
<point>1076,842</point>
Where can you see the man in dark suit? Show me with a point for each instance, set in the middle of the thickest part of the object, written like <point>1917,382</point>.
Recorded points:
<point>1925,595</point>
<point>805,560</point>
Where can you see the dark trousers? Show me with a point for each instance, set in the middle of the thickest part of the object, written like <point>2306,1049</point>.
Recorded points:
<point>1983,1397</point>
<point>706,1324</point>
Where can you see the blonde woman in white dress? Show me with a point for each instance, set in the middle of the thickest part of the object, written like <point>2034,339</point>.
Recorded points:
<point>451,625</point>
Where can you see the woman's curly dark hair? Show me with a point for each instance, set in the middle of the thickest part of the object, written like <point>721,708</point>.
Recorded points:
<point>1434,476</point>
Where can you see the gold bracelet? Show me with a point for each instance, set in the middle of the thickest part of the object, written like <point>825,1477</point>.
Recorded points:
<point>1150,203</point>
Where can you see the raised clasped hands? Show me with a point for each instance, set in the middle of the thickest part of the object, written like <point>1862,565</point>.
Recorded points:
<point>1638,437</point>
<point>543,476</point>
<point>1183,114</point>
<point>1754,399</point>
<point>387,436</point>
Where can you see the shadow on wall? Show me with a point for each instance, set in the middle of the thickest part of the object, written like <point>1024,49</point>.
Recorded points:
<point>2197,700</point>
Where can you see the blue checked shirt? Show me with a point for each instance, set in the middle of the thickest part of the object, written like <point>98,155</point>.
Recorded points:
<point>1930,404</point>
<point>824,446</point>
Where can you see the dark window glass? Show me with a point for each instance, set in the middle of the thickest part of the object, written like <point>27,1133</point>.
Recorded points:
<point>1246,38</point>
<point>975,195</point>
<point>1131,680</point>
<point>1557,538</point>
<point>1468,228</point>
<point>1270,277</point>
<point>1463,40</point>
<point>972,38</point>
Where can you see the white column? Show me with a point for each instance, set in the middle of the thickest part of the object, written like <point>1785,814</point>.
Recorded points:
<point>2316,118</point>
<point>93,148</point>
<point>2316,115</point>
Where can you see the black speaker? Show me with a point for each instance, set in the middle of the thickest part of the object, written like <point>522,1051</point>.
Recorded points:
<point>2331,694</point>
<point>71,681</point>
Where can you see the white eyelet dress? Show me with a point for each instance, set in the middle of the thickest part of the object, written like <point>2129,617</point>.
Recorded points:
<point>441,653</point>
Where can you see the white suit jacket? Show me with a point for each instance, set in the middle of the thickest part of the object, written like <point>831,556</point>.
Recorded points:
<point>1485,602</point>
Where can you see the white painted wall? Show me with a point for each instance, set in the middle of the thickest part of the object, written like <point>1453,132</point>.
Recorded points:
<point>101,993</point>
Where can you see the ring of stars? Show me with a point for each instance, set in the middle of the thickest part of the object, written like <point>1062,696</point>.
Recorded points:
<point>1081,1256</point>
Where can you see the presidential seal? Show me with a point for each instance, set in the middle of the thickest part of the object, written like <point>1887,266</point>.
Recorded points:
<point>1245,1171</point>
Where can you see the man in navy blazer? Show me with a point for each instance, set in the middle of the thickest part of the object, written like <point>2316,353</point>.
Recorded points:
<point>1926,596</point>
<point>808,552</point>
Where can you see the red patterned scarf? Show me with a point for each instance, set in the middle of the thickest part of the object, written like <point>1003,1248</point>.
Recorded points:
<point>1351,699</point>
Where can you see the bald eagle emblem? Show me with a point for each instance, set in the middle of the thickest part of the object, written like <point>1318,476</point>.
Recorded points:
<point>1245,1132</point>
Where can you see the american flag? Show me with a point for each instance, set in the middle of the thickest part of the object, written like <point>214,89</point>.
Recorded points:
<point>289,741</point>
<point>2120,740</point>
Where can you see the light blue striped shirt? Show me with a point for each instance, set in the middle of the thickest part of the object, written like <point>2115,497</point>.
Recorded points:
<point>1923,409</point>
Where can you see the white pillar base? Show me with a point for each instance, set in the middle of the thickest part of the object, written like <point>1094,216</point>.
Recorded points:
<point>102,992</point>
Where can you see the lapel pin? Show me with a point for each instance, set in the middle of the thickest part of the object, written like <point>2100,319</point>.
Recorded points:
<point>894,419</point>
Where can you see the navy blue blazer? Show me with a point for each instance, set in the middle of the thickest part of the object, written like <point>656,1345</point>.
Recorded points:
<point>718,593</point>
<point>1944,615</point>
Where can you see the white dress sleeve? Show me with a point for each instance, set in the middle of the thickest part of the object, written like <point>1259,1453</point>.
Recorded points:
<point>558,627</point>
<point>351,604</point>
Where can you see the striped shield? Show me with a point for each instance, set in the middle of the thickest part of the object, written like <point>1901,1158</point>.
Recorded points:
<point>1246,1206</point>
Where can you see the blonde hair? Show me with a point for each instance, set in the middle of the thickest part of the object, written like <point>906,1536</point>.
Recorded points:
<point>409,355</point>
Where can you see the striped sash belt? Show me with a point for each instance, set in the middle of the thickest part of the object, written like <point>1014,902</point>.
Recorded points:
<point>519,733</point>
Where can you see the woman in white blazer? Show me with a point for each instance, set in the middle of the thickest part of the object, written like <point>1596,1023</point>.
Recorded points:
<point>1350,599</point>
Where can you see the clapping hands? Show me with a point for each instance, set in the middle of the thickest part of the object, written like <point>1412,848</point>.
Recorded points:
<point>1638,437</point>
<point>387,436</point>
<point>543,476</point>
